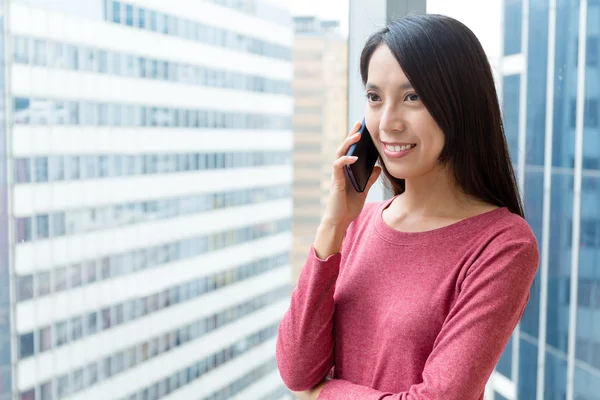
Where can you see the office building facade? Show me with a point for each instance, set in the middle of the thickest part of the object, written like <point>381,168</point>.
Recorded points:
<point>551,100</point>
<point>147,179</point>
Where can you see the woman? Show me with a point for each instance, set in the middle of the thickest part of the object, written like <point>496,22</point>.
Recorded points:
<point>417,296</point>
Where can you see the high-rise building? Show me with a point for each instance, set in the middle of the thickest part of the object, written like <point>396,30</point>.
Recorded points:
<point>146,183</point>
<point>320,123</point>
<point>551,97</point>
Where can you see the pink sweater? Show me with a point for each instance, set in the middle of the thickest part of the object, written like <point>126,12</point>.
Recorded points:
<point>407,316</point>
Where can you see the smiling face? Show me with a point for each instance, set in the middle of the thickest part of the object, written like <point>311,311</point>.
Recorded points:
<point>406,135</point>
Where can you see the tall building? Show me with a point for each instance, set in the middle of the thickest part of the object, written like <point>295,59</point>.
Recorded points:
<point>146,172</point>
<point>551,97</point>
<point>320,123</point>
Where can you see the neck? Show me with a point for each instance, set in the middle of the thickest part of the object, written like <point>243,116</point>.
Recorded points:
<point>435,195</point>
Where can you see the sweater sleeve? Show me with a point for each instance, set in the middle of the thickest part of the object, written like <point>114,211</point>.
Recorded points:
<point>491,301</point>
<point>305,341</point>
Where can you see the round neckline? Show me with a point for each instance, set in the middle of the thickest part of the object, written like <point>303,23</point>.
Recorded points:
<point>465,226</point>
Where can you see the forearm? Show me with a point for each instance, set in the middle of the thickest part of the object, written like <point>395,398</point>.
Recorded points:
<point>305,342</point>
<point>329,239</point>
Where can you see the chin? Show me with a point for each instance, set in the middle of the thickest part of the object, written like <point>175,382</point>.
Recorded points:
<point>396,173</point>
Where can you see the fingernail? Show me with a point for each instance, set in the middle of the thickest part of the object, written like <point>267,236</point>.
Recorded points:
<point>352,158</point>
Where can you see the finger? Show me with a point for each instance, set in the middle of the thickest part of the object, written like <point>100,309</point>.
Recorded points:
<point>339,178</point>
<point>344,147</point>
<point>349,141</point>
<point>355,128</point>
<point>373,178</point>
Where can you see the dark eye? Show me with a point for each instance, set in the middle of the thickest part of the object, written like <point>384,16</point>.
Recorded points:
<point>412,97</point>
<point>372,97</point>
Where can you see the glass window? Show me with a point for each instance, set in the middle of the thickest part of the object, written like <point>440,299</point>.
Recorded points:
<point>92,374</point>
<point>43,283</point>
<point>117,363</point>
<point>23,231</point>
<point>60,279</point>
<point>87,114</point>
<point>115,63</point>
<point>592,49</point>
<point>56,170</point>
<point>92,323</point>
<point>28,395</point>
<point>72,57</point>
<point>152,21</point>
<point>102,61</point>
<point>62,384</point>
<point>41,226</point>
<point>62,334</point>
<point>106,318</point>
<point>46,391</point>
<point>141,18</point>
<point>21,50</point>
<point>76,328</point>
<point>129,15</point>
<point>131,66</point>
<point>26,347</point>
<point>89,167</point>
<point>72,113</point>
<point>39,52</point>
<point>41,169</point>
<point>89,271</point>
<point>57,224</point>
<point>77,381</point>
<point>23,170</point>
<point>114,116</point>
<point>102,113</point>
<point>89,58</point>
<point>75,275</point>
<point>116,6</point>
<point>45,338</point>
<point>71,164</point>
<point>142,67</point>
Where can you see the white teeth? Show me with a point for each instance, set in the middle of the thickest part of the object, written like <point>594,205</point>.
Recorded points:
<point>397,149</point>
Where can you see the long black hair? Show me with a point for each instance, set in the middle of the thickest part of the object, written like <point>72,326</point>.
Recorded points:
<point>447,66</point>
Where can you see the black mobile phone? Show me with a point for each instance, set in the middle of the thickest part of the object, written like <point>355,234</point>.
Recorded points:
<point>358,173</point>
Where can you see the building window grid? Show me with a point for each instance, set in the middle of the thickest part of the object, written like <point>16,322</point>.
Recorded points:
<point>191,30</point>
<point>42,112</point>
<point>65,223</point>
<point>98,166</point>
<point>96,321</point>
<point>114,364</point>
<point>95,60</point>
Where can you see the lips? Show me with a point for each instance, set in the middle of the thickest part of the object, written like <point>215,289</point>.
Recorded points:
<point>397,150</point>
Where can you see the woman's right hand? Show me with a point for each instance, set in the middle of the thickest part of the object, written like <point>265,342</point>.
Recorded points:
<point>344,203</point>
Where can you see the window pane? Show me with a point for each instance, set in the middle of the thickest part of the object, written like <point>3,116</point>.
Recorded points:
<point>43,283</point>
<point>23,231</point>
<point>46,391</point>
<point>41,226</point>
<point>22,170</point>
<point>45,338</point>
<point>41,169</point>
<point>60,279</point>
<point>58,224</point>
<point>24,287</point>
<point>61,333</point>
<point>26,345</point>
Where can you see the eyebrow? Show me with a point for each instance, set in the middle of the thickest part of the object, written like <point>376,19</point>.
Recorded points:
<point>404,86</point>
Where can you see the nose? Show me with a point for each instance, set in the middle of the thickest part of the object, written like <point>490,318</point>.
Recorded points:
<point>391,121</point>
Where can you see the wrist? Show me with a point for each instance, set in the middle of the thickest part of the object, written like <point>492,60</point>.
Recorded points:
<point>328,240</point>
